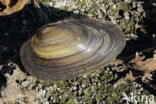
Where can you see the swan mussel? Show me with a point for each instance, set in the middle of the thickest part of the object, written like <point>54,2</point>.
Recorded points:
<point>72,47</point>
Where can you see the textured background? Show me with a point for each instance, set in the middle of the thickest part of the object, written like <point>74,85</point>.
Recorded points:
<point>137,19</point>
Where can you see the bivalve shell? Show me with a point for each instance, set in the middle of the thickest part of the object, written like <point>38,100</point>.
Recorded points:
<point>72,47</point>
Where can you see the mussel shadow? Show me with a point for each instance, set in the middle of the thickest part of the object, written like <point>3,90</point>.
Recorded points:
<point>17,28</point>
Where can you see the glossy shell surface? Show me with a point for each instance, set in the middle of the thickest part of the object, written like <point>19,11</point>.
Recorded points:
<point>72,47</point>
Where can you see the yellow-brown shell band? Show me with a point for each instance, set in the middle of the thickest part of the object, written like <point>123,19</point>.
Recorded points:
<point>103,42</point>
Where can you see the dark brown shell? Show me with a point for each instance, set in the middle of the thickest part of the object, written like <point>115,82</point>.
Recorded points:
<point>8,7</point>
<point>72,47</point>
